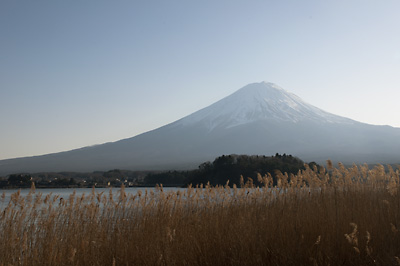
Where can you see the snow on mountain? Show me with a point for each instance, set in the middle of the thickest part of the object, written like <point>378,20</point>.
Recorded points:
<point>259,102</point>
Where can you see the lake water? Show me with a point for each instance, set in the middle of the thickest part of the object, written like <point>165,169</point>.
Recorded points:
<point>66,192</point>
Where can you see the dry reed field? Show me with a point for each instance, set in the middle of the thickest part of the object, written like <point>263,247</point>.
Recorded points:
<point>333,216</point>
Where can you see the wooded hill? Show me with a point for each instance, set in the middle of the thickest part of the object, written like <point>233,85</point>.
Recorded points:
<point>229,167</point>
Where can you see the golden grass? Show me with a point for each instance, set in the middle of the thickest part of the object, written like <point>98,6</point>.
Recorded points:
<point>334,216</point>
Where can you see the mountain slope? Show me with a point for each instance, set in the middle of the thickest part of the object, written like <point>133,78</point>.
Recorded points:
<point>260,118</point>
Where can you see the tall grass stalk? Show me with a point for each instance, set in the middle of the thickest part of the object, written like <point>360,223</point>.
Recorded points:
<point>334,216</point>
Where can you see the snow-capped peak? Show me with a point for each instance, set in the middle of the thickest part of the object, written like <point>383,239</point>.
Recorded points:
<point>259,102</point>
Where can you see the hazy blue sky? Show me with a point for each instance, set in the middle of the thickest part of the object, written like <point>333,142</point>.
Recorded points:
<point>78,73</point>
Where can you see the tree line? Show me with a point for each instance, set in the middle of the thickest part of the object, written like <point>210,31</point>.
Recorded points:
<point>223,168</point>
<point>112,178</point>
<point>229,167</point>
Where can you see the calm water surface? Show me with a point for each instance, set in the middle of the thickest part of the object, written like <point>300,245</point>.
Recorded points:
<point>66,192</point>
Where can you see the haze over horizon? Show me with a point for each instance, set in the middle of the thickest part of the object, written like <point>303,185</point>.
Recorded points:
<point>75,74</point>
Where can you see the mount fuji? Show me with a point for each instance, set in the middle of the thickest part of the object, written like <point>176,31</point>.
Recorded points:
<point>260,118</point>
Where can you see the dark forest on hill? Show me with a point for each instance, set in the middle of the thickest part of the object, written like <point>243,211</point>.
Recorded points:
<point>229,167</point>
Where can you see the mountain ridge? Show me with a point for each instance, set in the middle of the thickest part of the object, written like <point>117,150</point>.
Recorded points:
<point>260,118</point>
